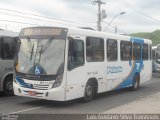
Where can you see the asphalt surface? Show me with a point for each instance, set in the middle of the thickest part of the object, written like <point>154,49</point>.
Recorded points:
<point>110,102</point>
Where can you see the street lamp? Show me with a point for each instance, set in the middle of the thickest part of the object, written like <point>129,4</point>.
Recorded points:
<point>113,19</point>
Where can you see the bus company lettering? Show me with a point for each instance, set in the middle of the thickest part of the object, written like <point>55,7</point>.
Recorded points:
<point>114,69</point>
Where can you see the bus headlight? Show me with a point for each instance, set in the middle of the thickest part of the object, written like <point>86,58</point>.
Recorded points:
<point>58,81</point>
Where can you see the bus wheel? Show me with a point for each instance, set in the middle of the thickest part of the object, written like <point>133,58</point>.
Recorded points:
<point>8,86</point>
<point>89,91</point>
<point>135,84</point>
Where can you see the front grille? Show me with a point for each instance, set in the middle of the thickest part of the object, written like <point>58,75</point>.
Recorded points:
<point>34,85</point>
<point>41,87</point>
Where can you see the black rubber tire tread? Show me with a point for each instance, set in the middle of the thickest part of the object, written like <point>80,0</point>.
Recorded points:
<point>136,81</point>
<point>8,80</point>
<point>86,97</point>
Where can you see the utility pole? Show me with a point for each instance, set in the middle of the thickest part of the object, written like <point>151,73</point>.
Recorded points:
<point>101,15</point>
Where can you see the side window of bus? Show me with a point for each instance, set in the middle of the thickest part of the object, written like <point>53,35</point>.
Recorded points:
<point>126,50</point>
<point>150,49</point>
<point>145,52</point>
<point>75,54</point>
<point>153,55</point>
<point>136,51</point>
<point>7,48</point>
<point>112,52</point>
<point>94,49</point>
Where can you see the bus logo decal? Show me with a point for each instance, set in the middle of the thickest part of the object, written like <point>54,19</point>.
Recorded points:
<point>113,69</point>
<point>138,66</point>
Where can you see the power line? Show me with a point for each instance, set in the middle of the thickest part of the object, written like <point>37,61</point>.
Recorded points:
<point>71,23</point>
<point>140,12</point>
<point>38,25</point>
<point>31,18</point>
<point>31,14</point>
<point>17,22</point>
<point>114,18</point>
<point>45,16</point>
<point>114,27</point>
<point>22,16</point>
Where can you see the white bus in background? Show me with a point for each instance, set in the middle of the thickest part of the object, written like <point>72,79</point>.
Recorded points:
<point>156,58</point>
<point>67,63</point>
<point>7,48</point>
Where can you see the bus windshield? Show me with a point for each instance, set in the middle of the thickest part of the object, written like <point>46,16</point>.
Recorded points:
<point>41,56</point>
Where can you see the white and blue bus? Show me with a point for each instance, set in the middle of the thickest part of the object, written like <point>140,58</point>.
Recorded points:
<point>156,58</point>
<point>61,64</point>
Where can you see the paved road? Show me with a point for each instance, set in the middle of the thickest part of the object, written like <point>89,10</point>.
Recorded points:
<point>145,100</point>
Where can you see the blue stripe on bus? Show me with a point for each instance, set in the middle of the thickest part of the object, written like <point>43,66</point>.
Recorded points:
<point>22,83</point>
<point>137,68</point>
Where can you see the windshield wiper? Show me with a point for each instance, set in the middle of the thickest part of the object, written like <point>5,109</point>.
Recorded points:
<point>45,46</point>
<point>42,48</point>
<point>32,52</point>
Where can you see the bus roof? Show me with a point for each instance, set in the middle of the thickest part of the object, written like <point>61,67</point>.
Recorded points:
<point>90,32</point>
<point>103,34</point>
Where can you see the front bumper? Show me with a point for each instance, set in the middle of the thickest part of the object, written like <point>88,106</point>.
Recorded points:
<point>57,94</point>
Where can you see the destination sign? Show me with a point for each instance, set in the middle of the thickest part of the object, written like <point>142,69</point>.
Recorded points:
<point>41,31</point>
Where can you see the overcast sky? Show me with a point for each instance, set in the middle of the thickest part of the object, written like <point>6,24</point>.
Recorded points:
<point>141,15</point>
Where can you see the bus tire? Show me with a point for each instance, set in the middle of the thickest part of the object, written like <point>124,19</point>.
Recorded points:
<point>136,81</point>
<point>8,86</point>
<point>89,93</point>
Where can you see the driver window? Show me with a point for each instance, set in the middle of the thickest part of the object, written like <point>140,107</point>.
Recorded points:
<point>75,54</point>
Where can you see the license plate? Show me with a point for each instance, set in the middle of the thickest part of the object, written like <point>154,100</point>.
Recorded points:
<point>32,93</point>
